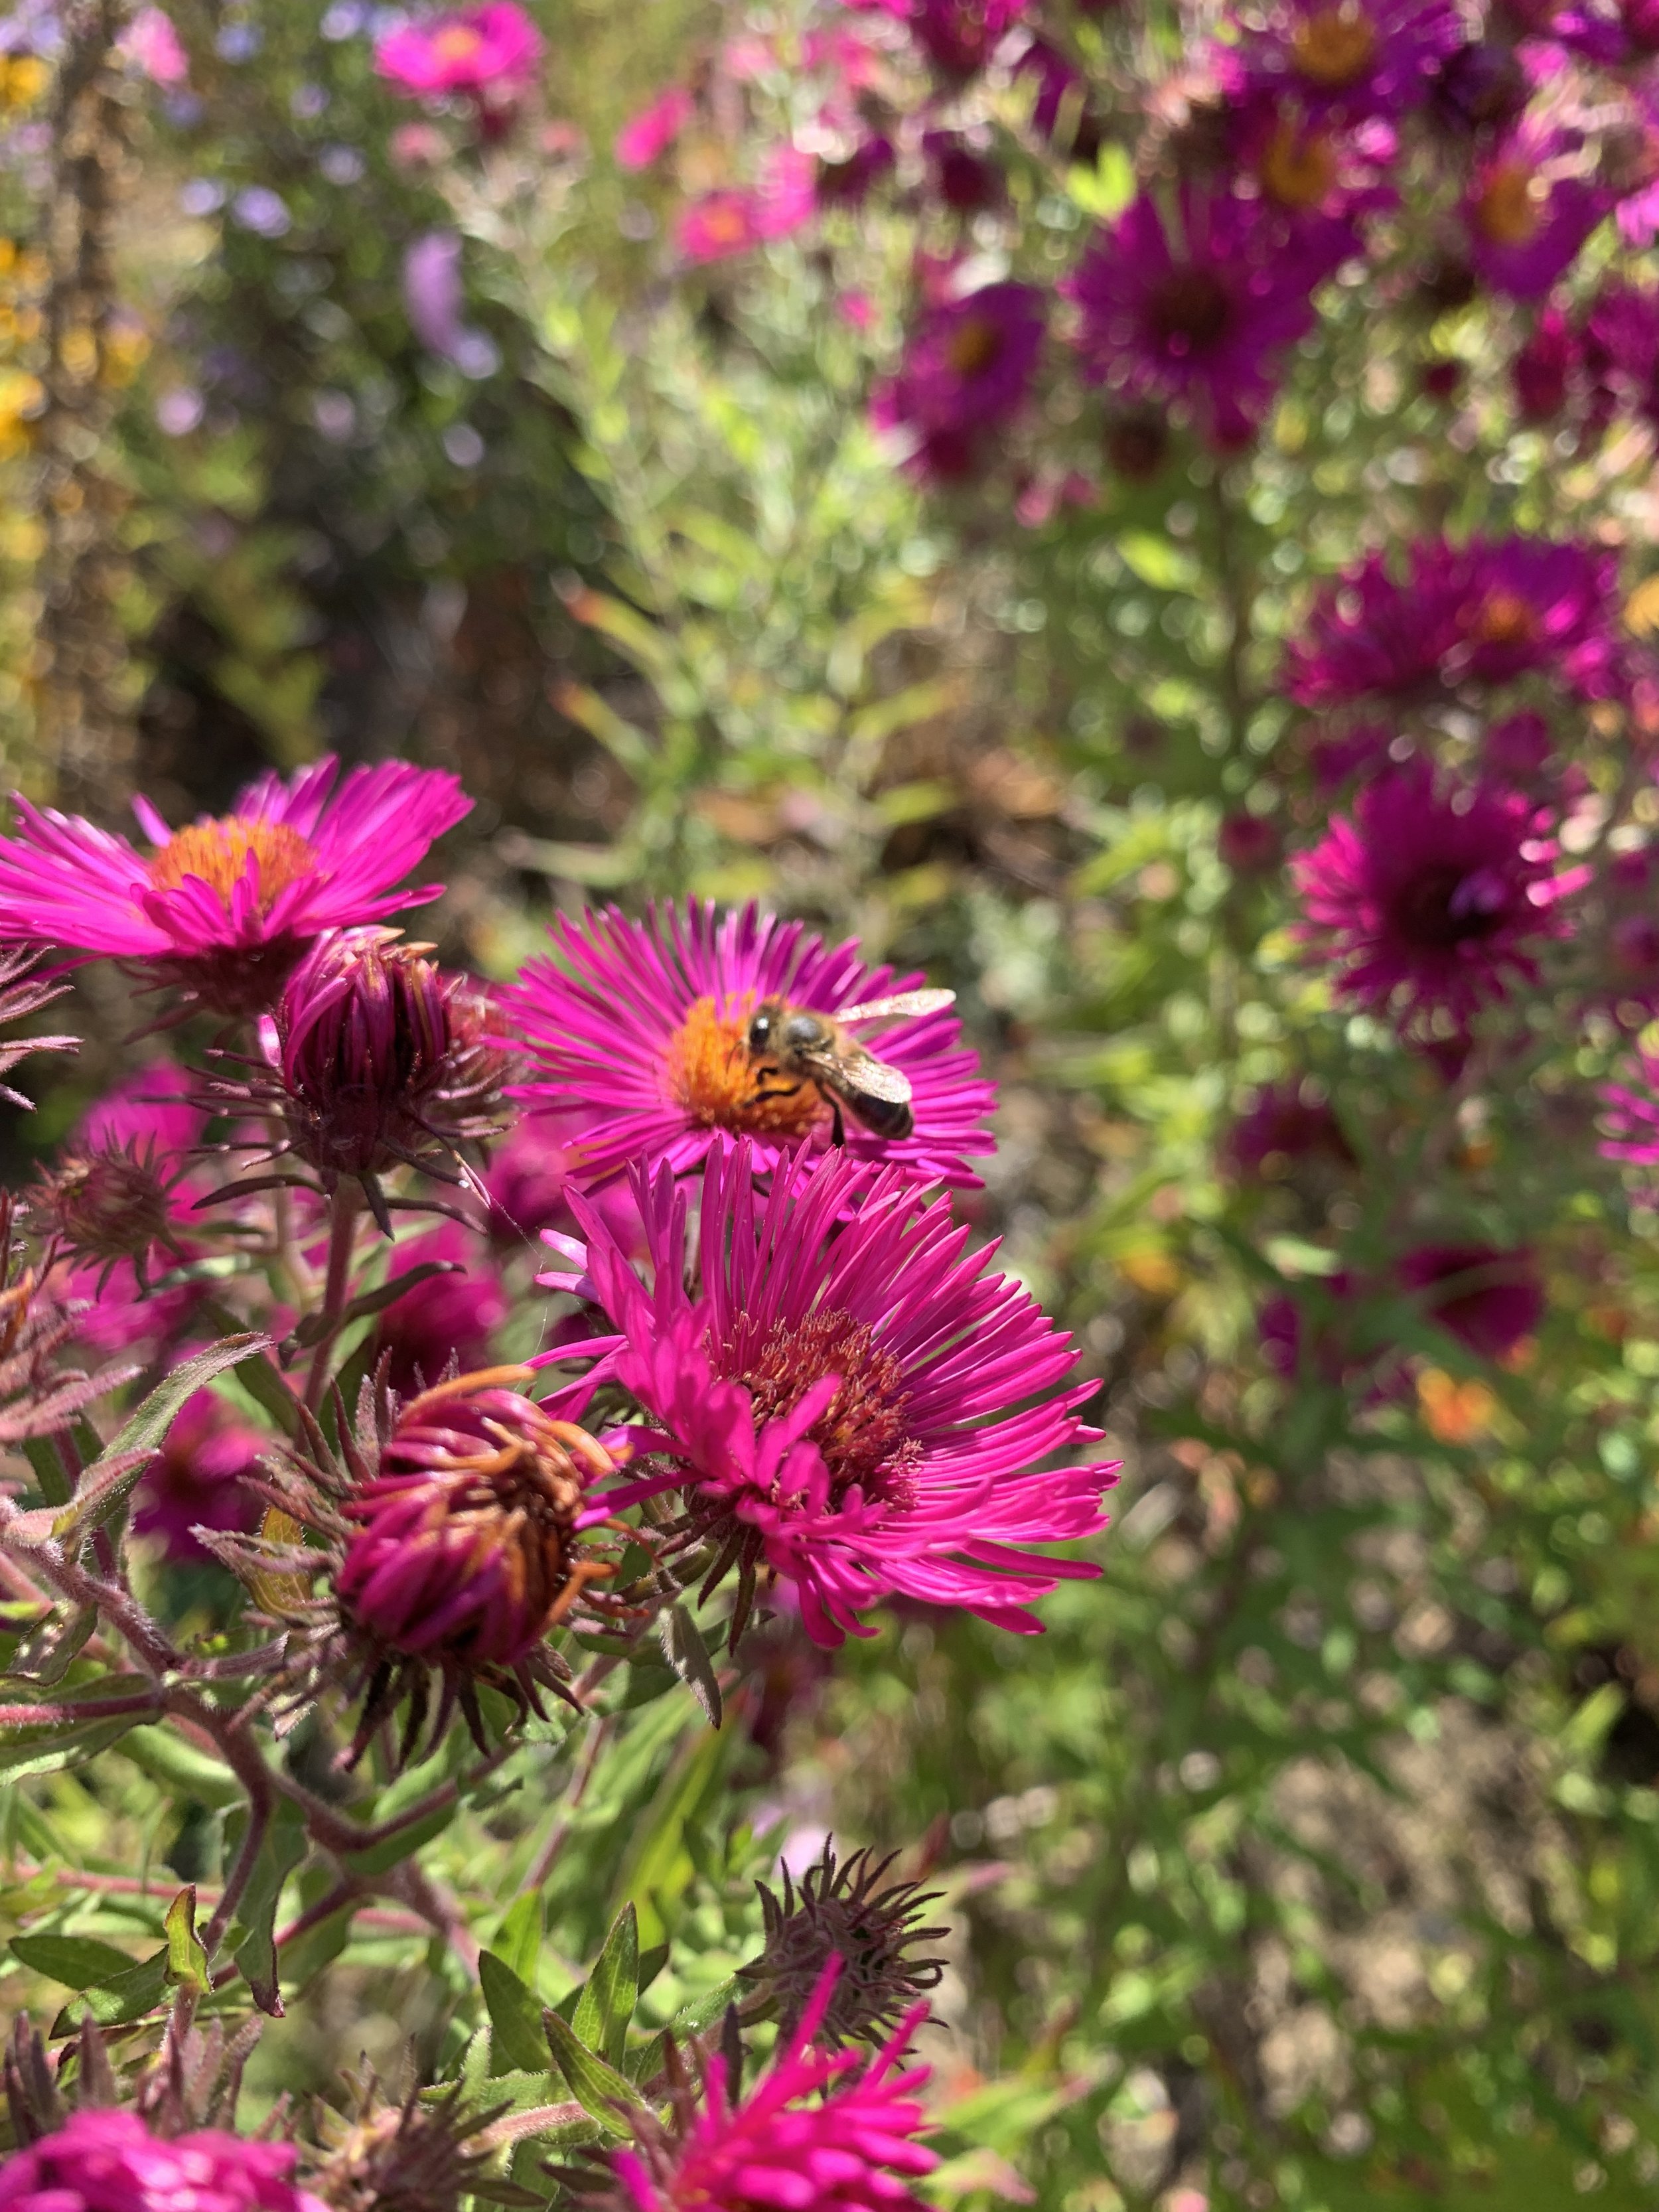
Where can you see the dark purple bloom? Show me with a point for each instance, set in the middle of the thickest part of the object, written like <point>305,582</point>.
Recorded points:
<point>1543,370</point>
<point>1487,1299</point>
<point>1347,60</point>
<point>449,1316</point>
<point>966,369</point>
<point>1285,1124</point>
<point>196,1480</point>
<point>1526,221</point>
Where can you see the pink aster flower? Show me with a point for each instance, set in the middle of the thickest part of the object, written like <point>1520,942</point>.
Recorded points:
<point>1484,613</point>
<point>151,44</point>
<point>647,137</point>
<point>967,370</point>
<point>1633,1116</point>
<point>1346,60</point>
<point>1489,1300</point>
<point>858,1406</point>
<point>225,908</point>
<point>1201,311</point>
<point>641,1029</point>
<point>736,219</point>
<point>109,2162</point>
<point>1526,214</point>
<point>1431,899</point>
<point>821,2130</point>
<point>195,1481</point>
<point>495,48</point>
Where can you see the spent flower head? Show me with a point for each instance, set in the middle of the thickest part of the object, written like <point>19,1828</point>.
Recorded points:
<point>845,1911</point>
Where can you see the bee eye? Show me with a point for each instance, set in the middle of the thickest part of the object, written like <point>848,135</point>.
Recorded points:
<point>759,1030</point>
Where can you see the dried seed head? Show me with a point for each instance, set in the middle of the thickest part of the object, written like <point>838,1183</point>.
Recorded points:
<point>844,1912</point>
<point>403,2158</point>
<point>109,1202</point>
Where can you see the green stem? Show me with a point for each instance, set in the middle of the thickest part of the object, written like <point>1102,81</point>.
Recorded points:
<point>342,1234</point>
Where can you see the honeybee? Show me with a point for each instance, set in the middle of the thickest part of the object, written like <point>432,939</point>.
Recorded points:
<point>790,1045</point>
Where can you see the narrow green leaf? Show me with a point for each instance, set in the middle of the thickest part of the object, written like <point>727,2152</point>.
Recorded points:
<point>125,1997</point>
<point>606,2005</point>
<point>688,1654</point>
<point>518,1940</point>
<point>602,2093</point>
<point>45,1751</point>
<point>104,1487</point>
<point>187,1962</point>
<point>79,1962</point>
<point>703,2012</point>
<point>182,1769</point>
<point>281,1849</point>
<point>516,2041</point>
<point>42,1456</point>
<point>43,1656</point>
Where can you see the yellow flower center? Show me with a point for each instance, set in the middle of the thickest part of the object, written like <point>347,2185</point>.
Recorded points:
<point>725,223</point>
<point>456,43</point>
<point>1504,618</point>
<point>1334,47</point>
<point>217,853</point>
<point>1298,168</point>
<point>973,345</point>
<point>1508,208</point>
<point>711,1076</point>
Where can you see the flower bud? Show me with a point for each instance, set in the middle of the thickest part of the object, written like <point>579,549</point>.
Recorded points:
<point>384,1058</point>
<point>107,1203</point>
<point>464,1549</point>
<point>843,1913</point>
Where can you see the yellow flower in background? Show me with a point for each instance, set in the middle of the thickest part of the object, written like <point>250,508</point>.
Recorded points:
<point>23,78</point>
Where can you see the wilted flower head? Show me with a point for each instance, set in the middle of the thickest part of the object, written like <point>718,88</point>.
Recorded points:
<point>226,908</point>
<point>843,1913</point>
<point>967,370</point>
<point>464,1549</point>
<point>1198,305</point>
<point>818,2132</point>
<point>1489,1300</point>
<point>858,1406</point>
<point>109,2162</point>
<point>1430,899</point>
<point>495,48</point>
<point>103,1204</point>
<point>384,1059</point>
<point>419,2157</point>
<point>640,1033</point>
<point>1484,613</point>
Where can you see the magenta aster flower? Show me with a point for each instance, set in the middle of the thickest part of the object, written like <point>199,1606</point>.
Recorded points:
<point>1347,60</point>
<point>195,1481</point>
<point>226,908</point>
<point>966,369</point>
<point>1286,1124</point>
<point>1527,220</point>
<point>957,36</point>
<point>640,1031</point>
<point>846,1392</point>
<point>1430,900</point>
<point>821,2132</point>
<point>449,1316</point>
<point>1487,1299</point>
<point>1484,613</point>
<point>1633,1116</point>
<point>1200,311</point>
<point>109,2162</point>
<point>647,137</point>
<point>490,49</point>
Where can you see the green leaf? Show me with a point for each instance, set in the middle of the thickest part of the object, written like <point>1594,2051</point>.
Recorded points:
<point>44,1654</point>
<point>104,1487</point>
<point>601,2092</point>
<point>46,1750</point>
<point>688,1654</point>
<point>281,1849</point>
<point>517,2044</point>
<point>79,1962</point>
<point>187,1962</point>
<point>124,1998</point>
<point>1158,562</point>
<point>519,1938</point>
<point>180,1768</point>
<point>703,2012</point>
<point>606,2005</point>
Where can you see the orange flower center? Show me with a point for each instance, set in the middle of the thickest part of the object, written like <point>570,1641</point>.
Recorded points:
<point>457,42</point>
<point>1508,208</point>
<point>217,853</point>
<point>1334,47</point>
<point>1504,618</point>
<point>1298,167</point>
<point>725,223</point>
<point>719,1085</point>
<point>973,345</point>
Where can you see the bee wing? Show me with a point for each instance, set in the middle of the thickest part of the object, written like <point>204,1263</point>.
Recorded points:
<point>907,1002</point>
<point>859,1073</point>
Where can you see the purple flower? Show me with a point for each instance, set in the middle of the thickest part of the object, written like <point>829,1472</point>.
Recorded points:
<point>434,296</point>
<point>1286,1125</point>
<point>261,210</point>
<point>966,372</point>
<point>858,1406</point>
<point>109,2162</point>
<point>820,2131</point>
<point>1543,369</point>
<point>1346,60</point>
<point>1485,613</point>
<point>226,908</point>
<point>448,1316</point>
<point>195,1481</point>
<point>957,36</point>
<point>1526,221</point>
<point>1429,900</point>
<point>150,1114</point>
<point>640,1033</point>
<point>1197,306</point>
<point>1487,1299</point>
<point>647,137</point>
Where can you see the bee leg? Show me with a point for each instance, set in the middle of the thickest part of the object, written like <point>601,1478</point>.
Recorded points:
<point>837,1125</point>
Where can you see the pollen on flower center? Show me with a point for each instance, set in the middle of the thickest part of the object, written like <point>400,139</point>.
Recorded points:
<point>974,346</point>
<point>1334,47</point>
<point>217,854</point>
<point>711,1076</point>
<point>1298,167</point>
<point>457,42</point>
<point>862,1433</point>
<point>1508,209</point>
<point>1190,309</point>
<point>1504,618</point>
